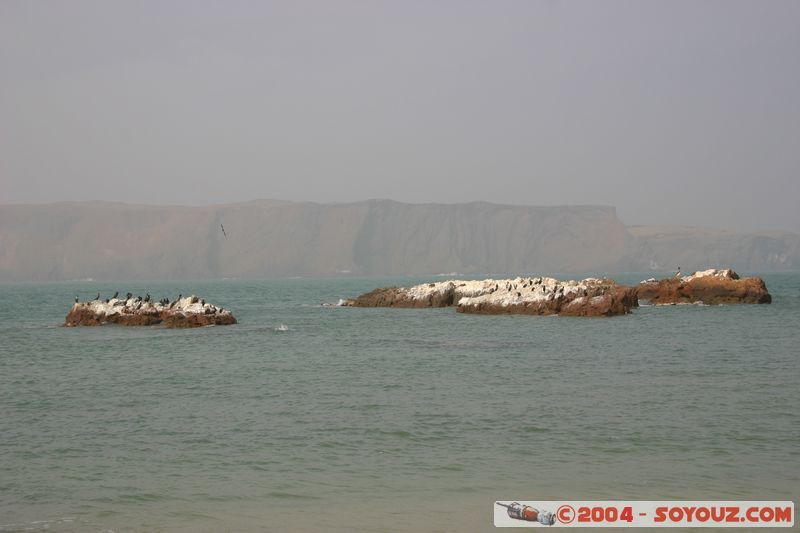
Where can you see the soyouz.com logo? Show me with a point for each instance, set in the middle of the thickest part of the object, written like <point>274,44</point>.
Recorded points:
<point>749,514</point>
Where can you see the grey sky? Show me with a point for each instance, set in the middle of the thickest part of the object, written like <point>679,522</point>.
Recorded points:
<point>675,112</point>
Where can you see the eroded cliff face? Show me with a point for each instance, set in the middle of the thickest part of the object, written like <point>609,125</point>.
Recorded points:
<point>276,239</point>
<point>107,241</point>
<point>481,237</point>
<point>660,248</point>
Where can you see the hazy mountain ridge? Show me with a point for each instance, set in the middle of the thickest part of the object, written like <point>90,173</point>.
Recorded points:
<point>663,247</point>
<point>103,240</point>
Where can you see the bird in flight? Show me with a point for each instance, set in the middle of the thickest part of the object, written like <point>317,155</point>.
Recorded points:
<point>223,230</point>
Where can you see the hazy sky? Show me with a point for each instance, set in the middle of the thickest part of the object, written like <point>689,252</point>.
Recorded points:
<point>675,112</point>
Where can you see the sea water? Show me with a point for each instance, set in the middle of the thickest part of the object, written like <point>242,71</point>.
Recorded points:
<point>352,419</point>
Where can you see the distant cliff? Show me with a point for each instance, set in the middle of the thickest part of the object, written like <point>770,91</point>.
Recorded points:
<point>665,247</point>
<point>276,239</point>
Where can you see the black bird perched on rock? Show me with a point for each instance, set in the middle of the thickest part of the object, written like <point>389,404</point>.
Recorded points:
<point>115,294</point>
<point>147,297</point>
<point>179,296</point>
<point>128,296</point>
<point>97,297</point>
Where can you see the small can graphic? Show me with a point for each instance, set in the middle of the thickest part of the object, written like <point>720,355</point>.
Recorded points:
<point>528,514</point>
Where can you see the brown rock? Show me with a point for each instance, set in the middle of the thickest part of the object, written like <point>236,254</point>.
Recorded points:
<point>606,300</point>
<point>547,296</point>
<point>178,320</point>
<point>82,316</point>
<point>722,287</point>
<point>616,300</point>
<point>186,313</point>
<point>398,297</point>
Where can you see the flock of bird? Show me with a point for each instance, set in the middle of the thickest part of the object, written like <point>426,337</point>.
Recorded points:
<point>138,299</point>
<point>533,283</point>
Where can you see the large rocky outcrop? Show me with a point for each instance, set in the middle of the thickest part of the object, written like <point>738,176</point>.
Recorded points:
<point>187,312</point>
<point>710,287</point>
<point>533,296</point>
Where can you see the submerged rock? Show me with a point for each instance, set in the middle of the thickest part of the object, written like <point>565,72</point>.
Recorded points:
<point>710,287</point>
<point>189,312</point>
<point>533,296</point>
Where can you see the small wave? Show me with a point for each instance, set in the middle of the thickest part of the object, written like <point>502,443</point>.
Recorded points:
<point>36,525</point>
<point>291,496</point>
<point>397,433</point>
<point>340,303</point>
<point>533,429</point>
<point>282,327</point>
<point>451,468</point>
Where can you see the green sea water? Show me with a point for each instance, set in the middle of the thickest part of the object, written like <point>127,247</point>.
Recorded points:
<point>383,419</point>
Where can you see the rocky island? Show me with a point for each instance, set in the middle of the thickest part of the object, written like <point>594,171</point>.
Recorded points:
<point>588,297</point>
<point>531,296</point>
<point>710,287</point>
<point>189,312</point>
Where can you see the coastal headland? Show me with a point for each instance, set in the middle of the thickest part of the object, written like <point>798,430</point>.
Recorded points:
<point>273,239</point>
<point>188,312</point>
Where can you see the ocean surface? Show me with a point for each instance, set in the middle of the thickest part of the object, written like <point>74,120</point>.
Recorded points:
<point>383,419</point>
